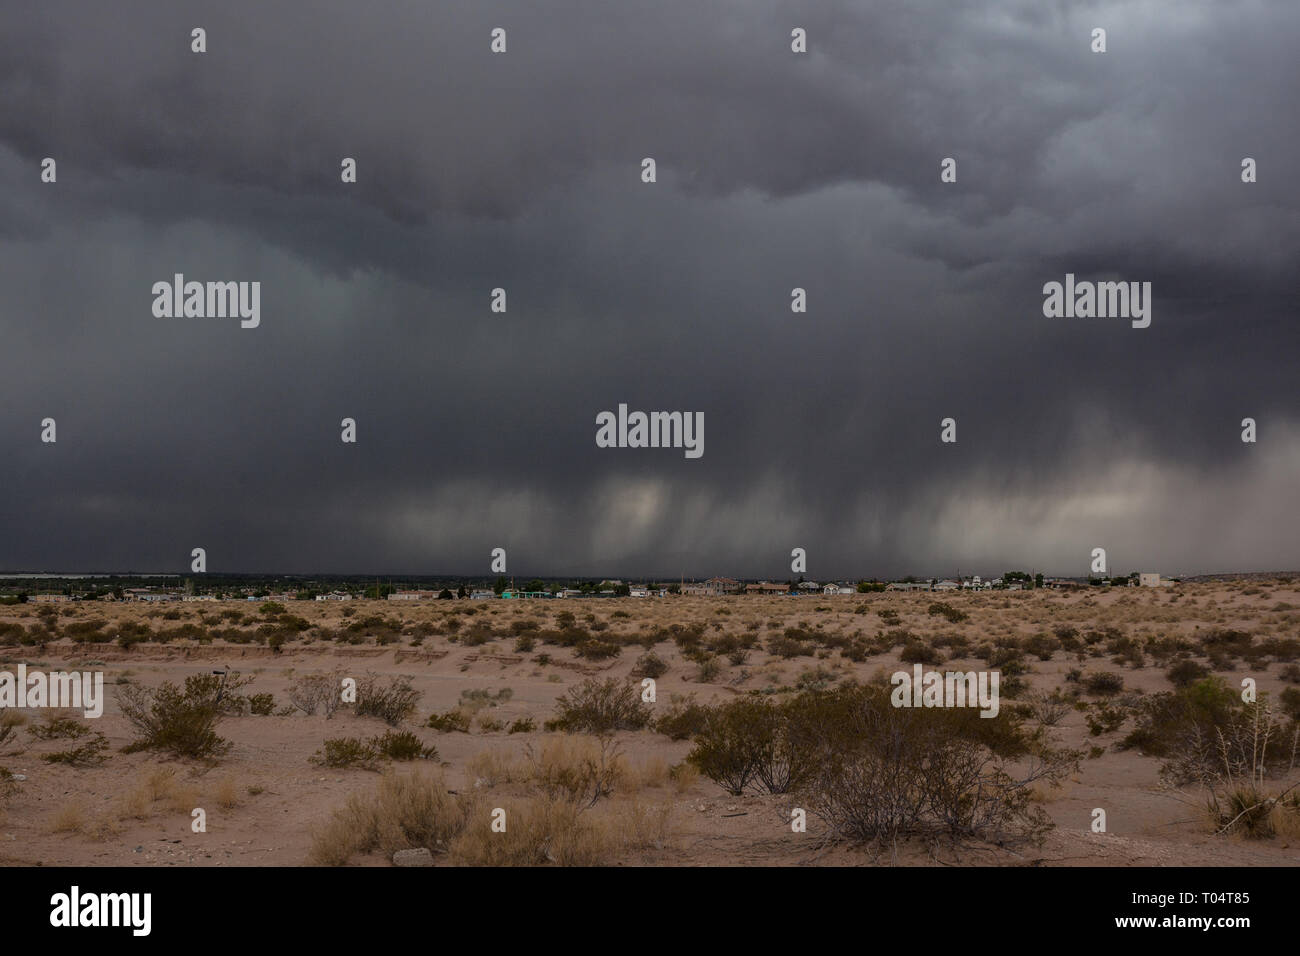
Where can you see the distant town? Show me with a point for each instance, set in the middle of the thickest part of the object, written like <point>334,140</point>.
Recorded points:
<point>36,589</point>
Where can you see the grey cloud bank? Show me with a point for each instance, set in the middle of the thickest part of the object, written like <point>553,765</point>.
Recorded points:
<point>775,171</point>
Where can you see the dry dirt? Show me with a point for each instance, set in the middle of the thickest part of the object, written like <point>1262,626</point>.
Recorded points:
<point>279,796</point>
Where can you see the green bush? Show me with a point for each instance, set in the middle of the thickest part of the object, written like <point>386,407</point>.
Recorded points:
<point>1103,684</point>
<point>919,652</point>
<point>347,752</point>
<point>600,706</point>
<point>649,664</point>
<point>949,612</point>
<point>392,703</point>
<point>86,755</point>
<point>403,745</point>
<point>181,722</point>
<point>682,719</point>
<point>453,721</point>
<point>746,744</point>
<point>1186,672</point>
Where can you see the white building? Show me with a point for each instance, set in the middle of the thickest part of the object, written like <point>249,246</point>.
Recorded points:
<point>1149,579</point>
<point>413,596</point>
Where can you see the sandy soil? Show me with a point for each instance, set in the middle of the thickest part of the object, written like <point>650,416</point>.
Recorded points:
<point>276,795</point>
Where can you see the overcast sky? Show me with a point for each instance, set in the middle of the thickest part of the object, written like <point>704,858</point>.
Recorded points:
<point>522,170</point>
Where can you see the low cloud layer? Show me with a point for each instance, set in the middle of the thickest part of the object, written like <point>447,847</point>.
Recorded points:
<point>477,430</point>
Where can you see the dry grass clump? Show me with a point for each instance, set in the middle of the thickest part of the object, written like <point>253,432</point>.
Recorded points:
<point>73,817</point>
<point>537,829</point>
<point>160,786</point>
<point>227,793</point>
<point>492,768</point>
<point>404,812</point>
<point>538,809</point>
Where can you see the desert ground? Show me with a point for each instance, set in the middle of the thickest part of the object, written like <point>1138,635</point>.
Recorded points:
<point>494,671</point>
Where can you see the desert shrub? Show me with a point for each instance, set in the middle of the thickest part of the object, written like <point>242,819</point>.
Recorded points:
<point>10,721</point>
<point>1281,649</point>
<point>815,678</point>
<point>1208,735</point>
<point>788,646</point>
<point>262,705</point>
<point>403,745</point>
<point>1049,709</point>
<point>682,719</point>
<point>522,725</point>
<point>708,670</point>
<point>8,785</point>
<point>525,643</point>
<point>404,812</point>
<point>1225,645</point>
<point>56,726</point>
<point>919,652</point>
<point>1248,810</point>
<point>746,744</point>
<point>180,721</point>
<point>1186,672</point>
<point>877,772</point>
<point>1290,702</point>
<point>392,703</point>
<point>475,699</point>
<point>87,754</point>
<point>1042,646</point>
<point>1104,719</point>
<point>1291,673</point>
<point>453,721</point>
<point>649,664</point>
<point>86,632</point>
<point>597,650</point>
<point>600,706</point>
<point>313,691</point>
<point>1103,684</point>
<point>948,612</point>
<point>476,635</point>
<point>346,752</point>
<point>1126,650</point>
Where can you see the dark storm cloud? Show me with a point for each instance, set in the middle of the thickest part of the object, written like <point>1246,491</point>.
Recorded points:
<point>476,171</point>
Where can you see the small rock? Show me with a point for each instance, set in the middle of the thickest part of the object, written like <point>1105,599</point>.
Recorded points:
<point>20,777</point>
<point>417,857</point>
